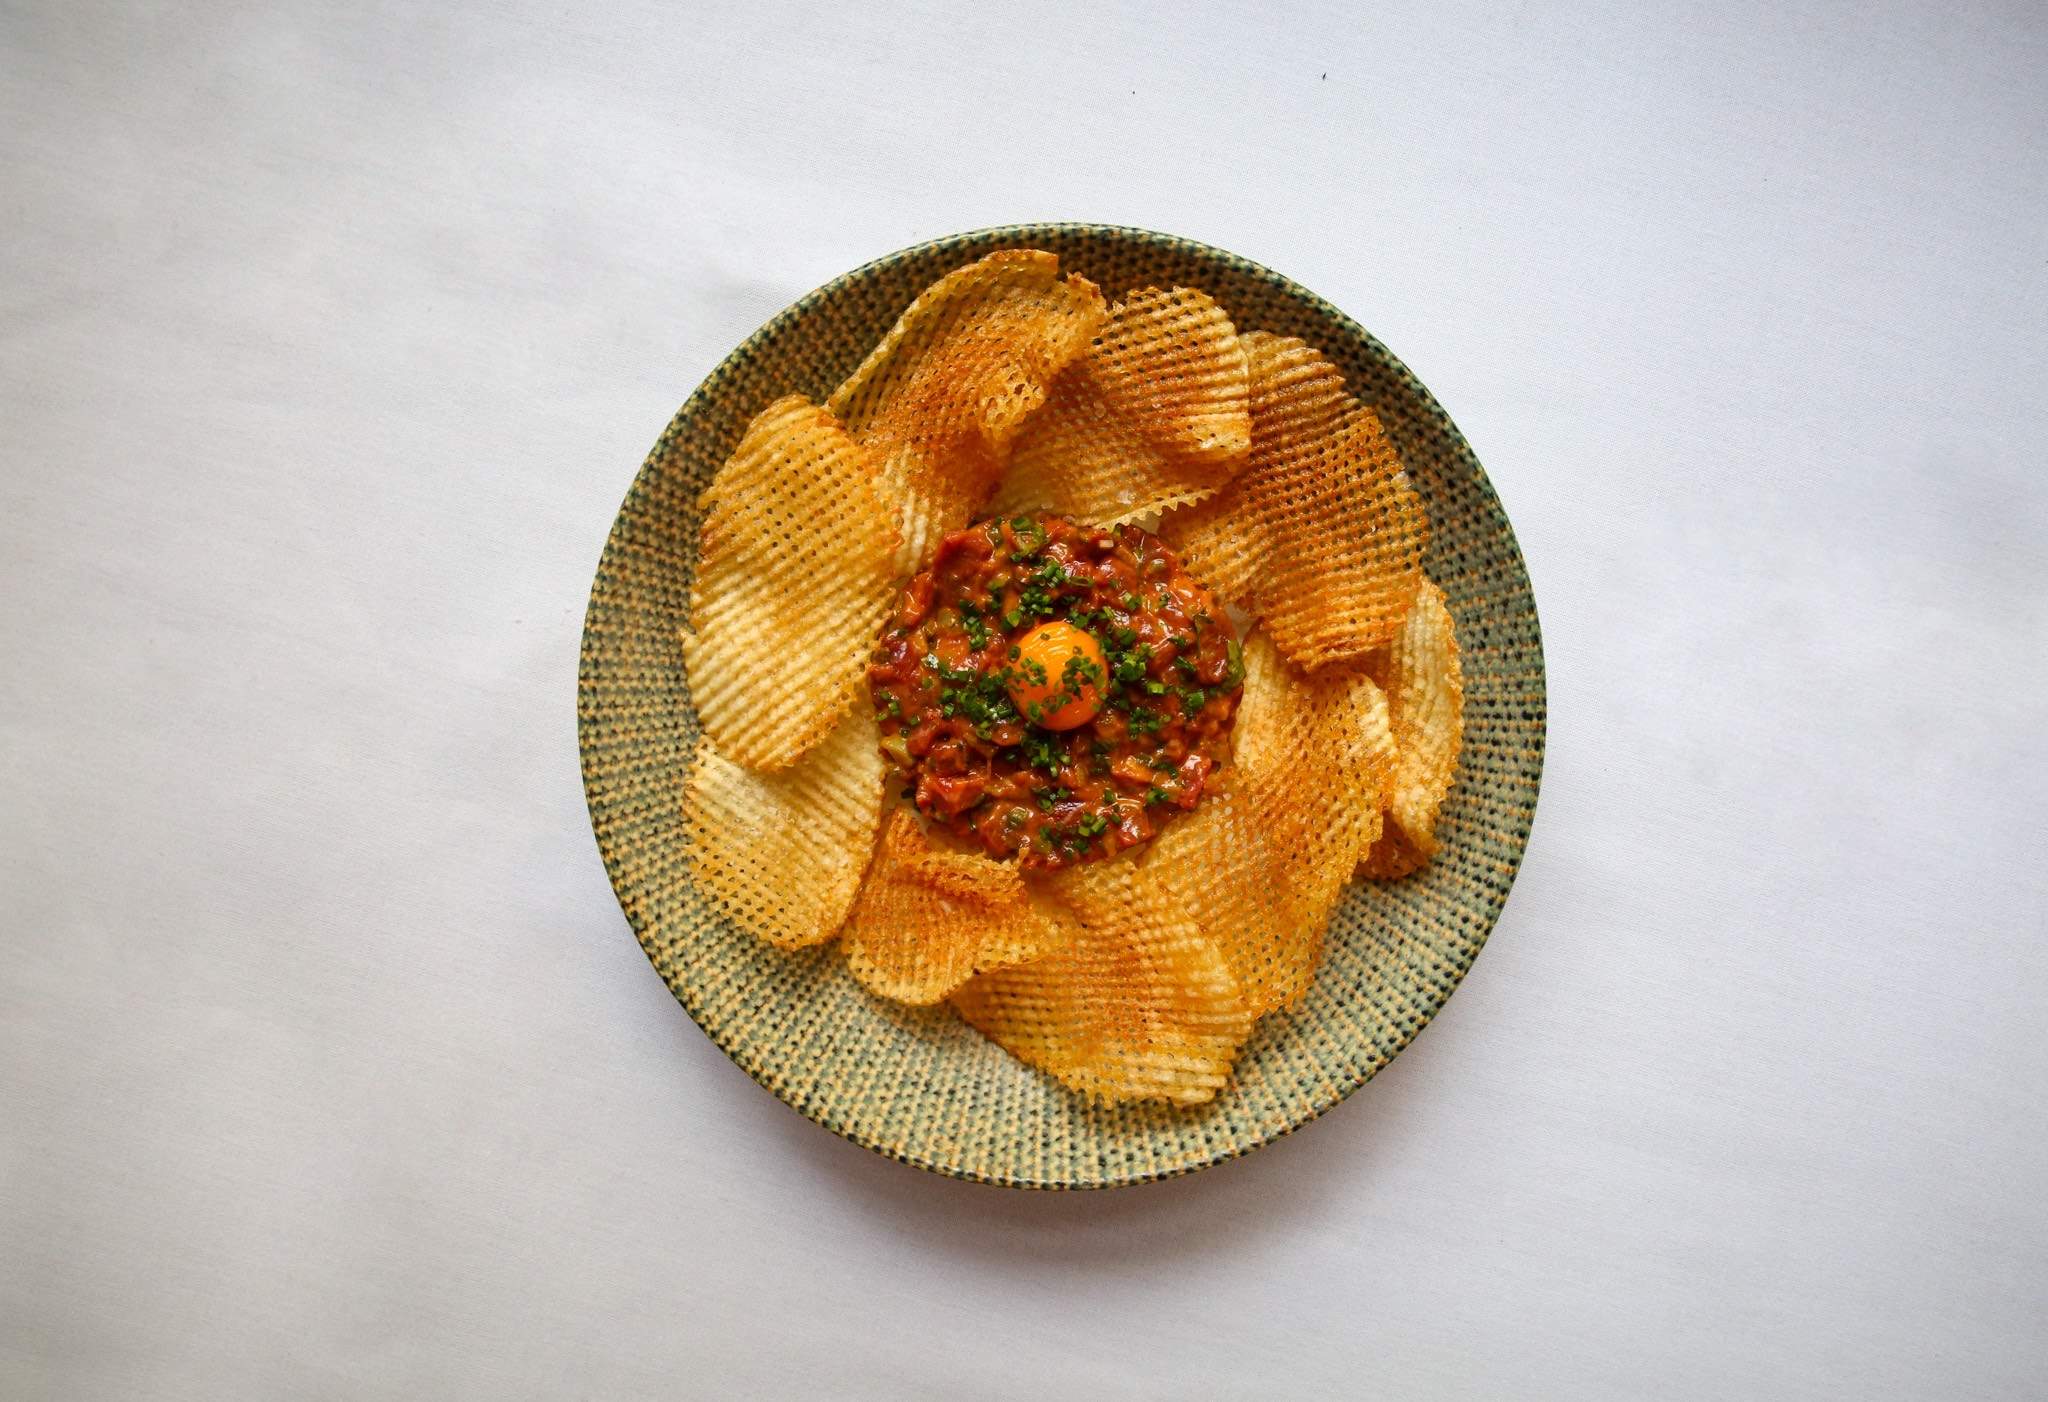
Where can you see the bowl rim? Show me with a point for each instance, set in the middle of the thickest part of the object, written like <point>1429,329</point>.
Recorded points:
<point>988,239</point>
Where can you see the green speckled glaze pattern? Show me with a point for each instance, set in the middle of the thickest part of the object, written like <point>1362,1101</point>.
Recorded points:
<point>919,1086</point>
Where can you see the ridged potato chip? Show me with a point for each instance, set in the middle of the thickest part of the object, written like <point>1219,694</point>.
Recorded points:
<point>1141,1005</point>
<point>928,918</point>
<point>1393,856</point>
<point>1262,863</point>
<point>1155,415</point>
<point>1425,684</point>
<point>1320,537</point>
<point>795,570</point>
<point>782,854</point>
<point>942,397</point>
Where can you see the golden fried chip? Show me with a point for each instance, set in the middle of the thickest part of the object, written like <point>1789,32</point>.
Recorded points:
<point>1262,863</point>
<point>1392,856</point>
<point>1140,1005</point>
<point>1320,537</point>
<point>781,855</point>
<point>942,396</point>
<point>929,918</point>
<point>1155,415</point>
<point>794,575</point>
<point>1425,684</point>
<point>1297,402</point>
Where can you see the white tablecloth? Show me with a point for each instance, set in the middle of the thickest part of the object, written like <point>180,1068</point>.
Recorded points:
<point>330,338</point>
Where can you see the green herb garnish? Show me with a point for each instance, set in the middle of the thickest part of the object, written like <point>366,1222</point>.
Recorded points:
<point>1041,752</point>
<point>1233,667</point>
<point>970,619</point>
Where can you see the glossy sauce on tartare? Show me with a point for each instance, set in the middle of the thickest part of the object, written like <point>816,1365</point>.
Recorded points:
<point>1055,692</point>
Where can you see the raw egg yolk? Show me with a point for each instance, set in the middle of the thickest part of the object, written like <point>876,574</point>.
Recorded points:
<point>1058,676</point>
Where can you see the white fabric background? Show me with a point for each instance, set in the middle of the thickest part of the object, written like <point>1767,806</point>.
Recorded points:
<point>330,338</point>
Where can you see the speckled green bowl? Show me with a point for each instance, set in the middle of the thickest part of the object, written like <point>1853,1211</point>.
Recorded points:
<point>919,1086</point>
